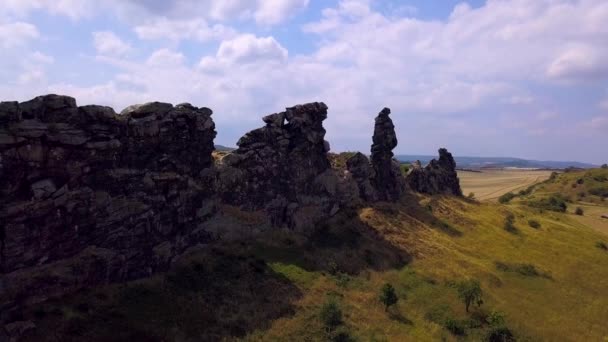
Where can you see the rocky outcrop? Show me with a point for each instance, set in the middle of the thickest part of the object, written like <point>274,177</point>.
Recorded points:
<point>134,186</point>
<point>88,196</point>
<point>387,178</point>
<point>283,168</point>
<point>360,168</point>
<point>438,177</point>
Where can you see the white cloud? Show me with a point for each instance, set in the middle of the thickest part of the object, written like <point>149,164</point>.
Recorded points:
<point>109,44</point>
<point>16,34</point>
<point>176,30</point>
<point>74,9</point>
<point>248,48</point>
<point>581,62</point>
<point>271,12</point>
<point>165,58</point>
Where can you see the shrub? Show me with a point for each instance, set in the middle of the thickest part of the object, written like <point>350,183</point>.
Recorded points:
<point>506,198</point>
<point>341,335</point>
<point>510,223</point>
<point>469,291</point>
<point>579,211</point>
<point>600,191</point>
<point>580,181</point>
<point>405,168</point>
<point>496,318</point>
<point>601,245</point>
<point>331,315</point>
<point>534,224</point>
<point>456,327</point>
<point>471,195</point>
<point>388,296</point>
<point>527,270</point>
<point>500,334</point>
<point>553,203</point>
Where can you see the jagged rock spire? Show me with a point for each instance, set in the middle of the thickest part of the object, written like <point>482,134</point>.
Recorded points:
<point>388,181</point>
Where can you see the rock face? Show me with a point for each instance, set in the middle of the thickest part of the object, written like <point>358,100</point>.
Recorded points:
<point>131,187</point>
<point>362,173</point>
<point>88,196</point>
<point>438,177</point>
<point>387,178</point>
<point>283,168</point>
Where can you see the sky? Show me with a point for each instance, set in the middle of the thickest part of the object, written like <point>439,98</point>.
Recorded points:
<point>514,78</point>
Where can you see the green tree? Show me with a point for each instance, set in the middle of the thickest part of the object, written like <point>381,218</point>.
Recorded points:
<point>579,211</point>
<point>605,166</point>
<point>469,291</point>
<point>388,296</point>
<point>331,315</point>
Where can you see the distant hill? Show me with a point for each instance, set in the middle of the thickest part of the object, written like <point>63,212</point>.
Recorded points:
<point>499,162</point>
<point>223,148</point>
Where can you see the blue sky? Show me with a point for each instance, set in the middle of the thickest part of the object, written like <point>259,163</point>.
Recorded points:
<point>482,78</point>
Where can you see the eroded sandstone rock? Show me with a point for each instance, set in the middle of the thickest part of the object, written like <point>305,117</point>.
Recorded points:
<point>74,177</point>
<point>438,177</point>
<point>387,179</point>
<point>283,168</point>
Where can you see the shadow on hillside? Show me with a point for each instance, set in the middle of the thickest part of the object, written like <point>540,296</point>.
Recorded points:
<point>228,289</point>
<point>214,295</point>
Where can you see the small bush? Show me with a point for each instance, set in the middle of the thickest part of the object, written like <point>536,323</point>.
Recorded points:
<point>600,191</point>
<point>469,291</point>
<point>456,327</point>
<point>534,224</point>
<point>554,203</point>
<point>341,335</point>
<point>601,245</point>
<point>527,270</point>
<point>388,297</point>
<point>506,198</point>
<point>496,318</point>
<point>580,181</point>
<point>500,334</point>
<point>510,223</point>
<point>331,315</point>
<point>471,195</point>
<point>579,211</point>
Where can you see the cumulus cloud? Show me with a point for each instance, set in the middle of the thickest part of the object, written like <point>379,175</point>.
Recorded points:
<point>579,63</point>
<point>248,48</point>
<point>16,33</point>
<point>271,12</point>
<point>109,44</point>
<point>74,9</point>
<point>165,58</point>
<point>176,30</point>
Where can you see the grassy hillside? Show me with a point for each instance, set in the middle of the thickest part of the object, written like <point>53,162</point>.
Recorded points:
<point>544,276</point>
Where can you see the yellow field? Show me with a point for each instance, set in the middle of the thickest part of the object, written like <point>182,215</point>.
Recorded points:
<point>491,184</point>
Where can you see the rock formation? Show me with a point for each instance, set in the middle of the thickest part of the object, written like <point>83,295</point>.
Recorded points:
<point>362,173</point>
<point>438,177</point>
<point>283,168</point>
<point>387,179</point>
<point>121,194</point>
<point>88,196</point>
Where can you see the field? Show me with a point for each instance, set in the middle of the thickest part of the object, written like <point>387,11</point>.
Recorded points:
<point>543,273</point>
<point>491,184</point>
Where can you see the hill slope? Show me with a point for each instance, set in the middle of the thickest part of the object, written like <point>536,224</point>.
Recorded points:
<point>548,282</point>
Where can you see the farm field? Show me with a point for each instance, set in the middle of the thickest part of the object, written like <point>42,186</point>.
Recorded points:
<point>491,184</point>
